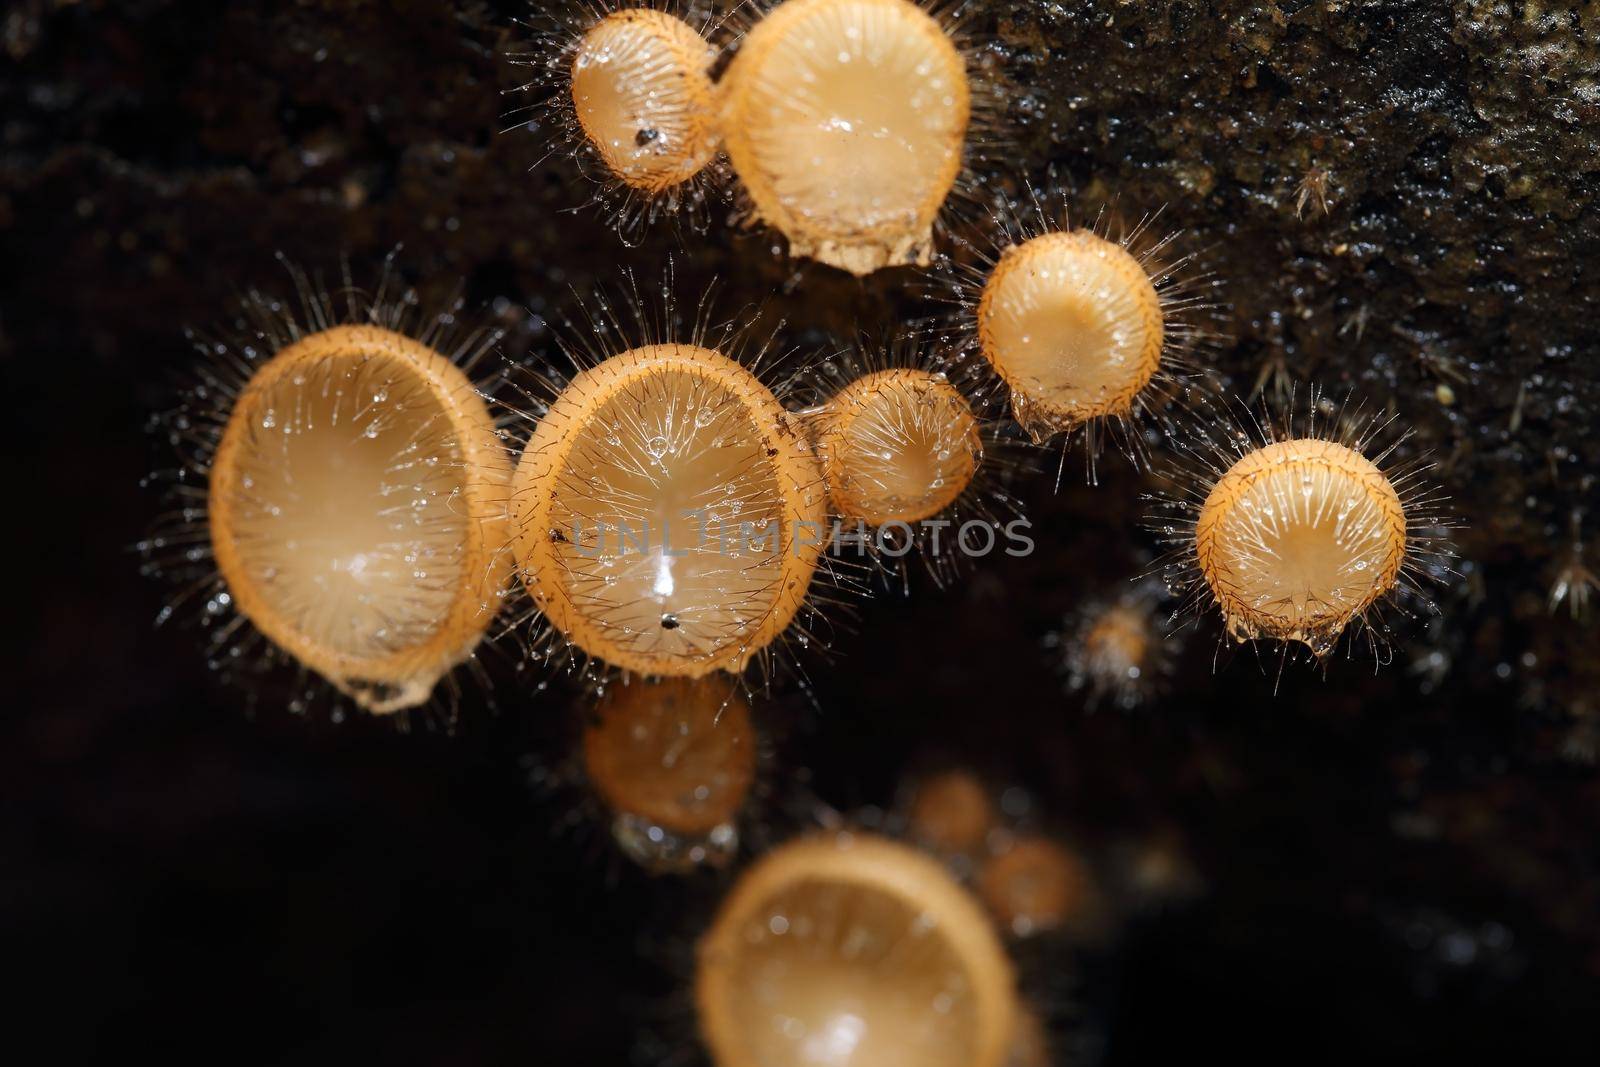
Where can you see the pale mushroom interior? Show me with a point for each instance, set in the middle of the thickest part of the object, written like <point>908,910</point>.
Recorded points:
<point>1304,545</point>
<point>346,506</point>
<point>1066,327</point>
<point>857,118</point>
<point>849,976</point>
<point>631,93</point>
<point>909,450</point>
<point>667,520</point>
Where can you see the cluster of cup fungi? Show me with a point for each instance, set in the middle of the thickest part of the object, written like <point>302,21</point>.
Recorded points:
<point>357,503</point>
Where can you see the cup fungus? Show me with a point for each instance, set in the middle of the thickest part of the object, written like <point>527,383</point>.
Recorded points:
<point>1300,527</point>
<point>673,760</point>
<point>1299,538</point>
<point>1030,1045</point>
<point>356,508</point>
<point>642,95</point>
<point>898,445</point>
<point>850,949</point>
<point>846,120</point>
<point>1115,649</point>
<point>1073,325</point>
<point>1036,885</point>
<point>666,516</point>
<point>951,812</point>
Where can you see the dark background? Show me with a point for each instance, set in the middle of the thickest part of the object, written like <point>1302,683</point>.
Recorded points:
<point>1401,861</point>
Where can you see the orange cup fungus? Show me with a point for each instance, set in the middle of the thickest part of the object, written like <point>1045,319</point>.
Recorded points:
<point>642,96</point>
<point>678,754</point>
<point>846,121</point>
<point>897,445</point>
<point>1036,885</point>
<point>356,503</point>
<point>951,812</point>
<point>1073,324</point>
<point>666,516</point>
<point>1115,650</point>
<point>846,949</point>
<point>1299,538</point>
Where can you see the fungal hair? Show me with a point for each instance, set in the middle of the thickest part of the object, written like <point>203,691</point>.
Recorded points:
<point>896,212</point>
<point>1113,649</point>
<point>1224,434</point>
<point>556,39</point>
<point>681,410</point>
<point>1187,294</point>
<point>892,549</point>
<point>318,400</point>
